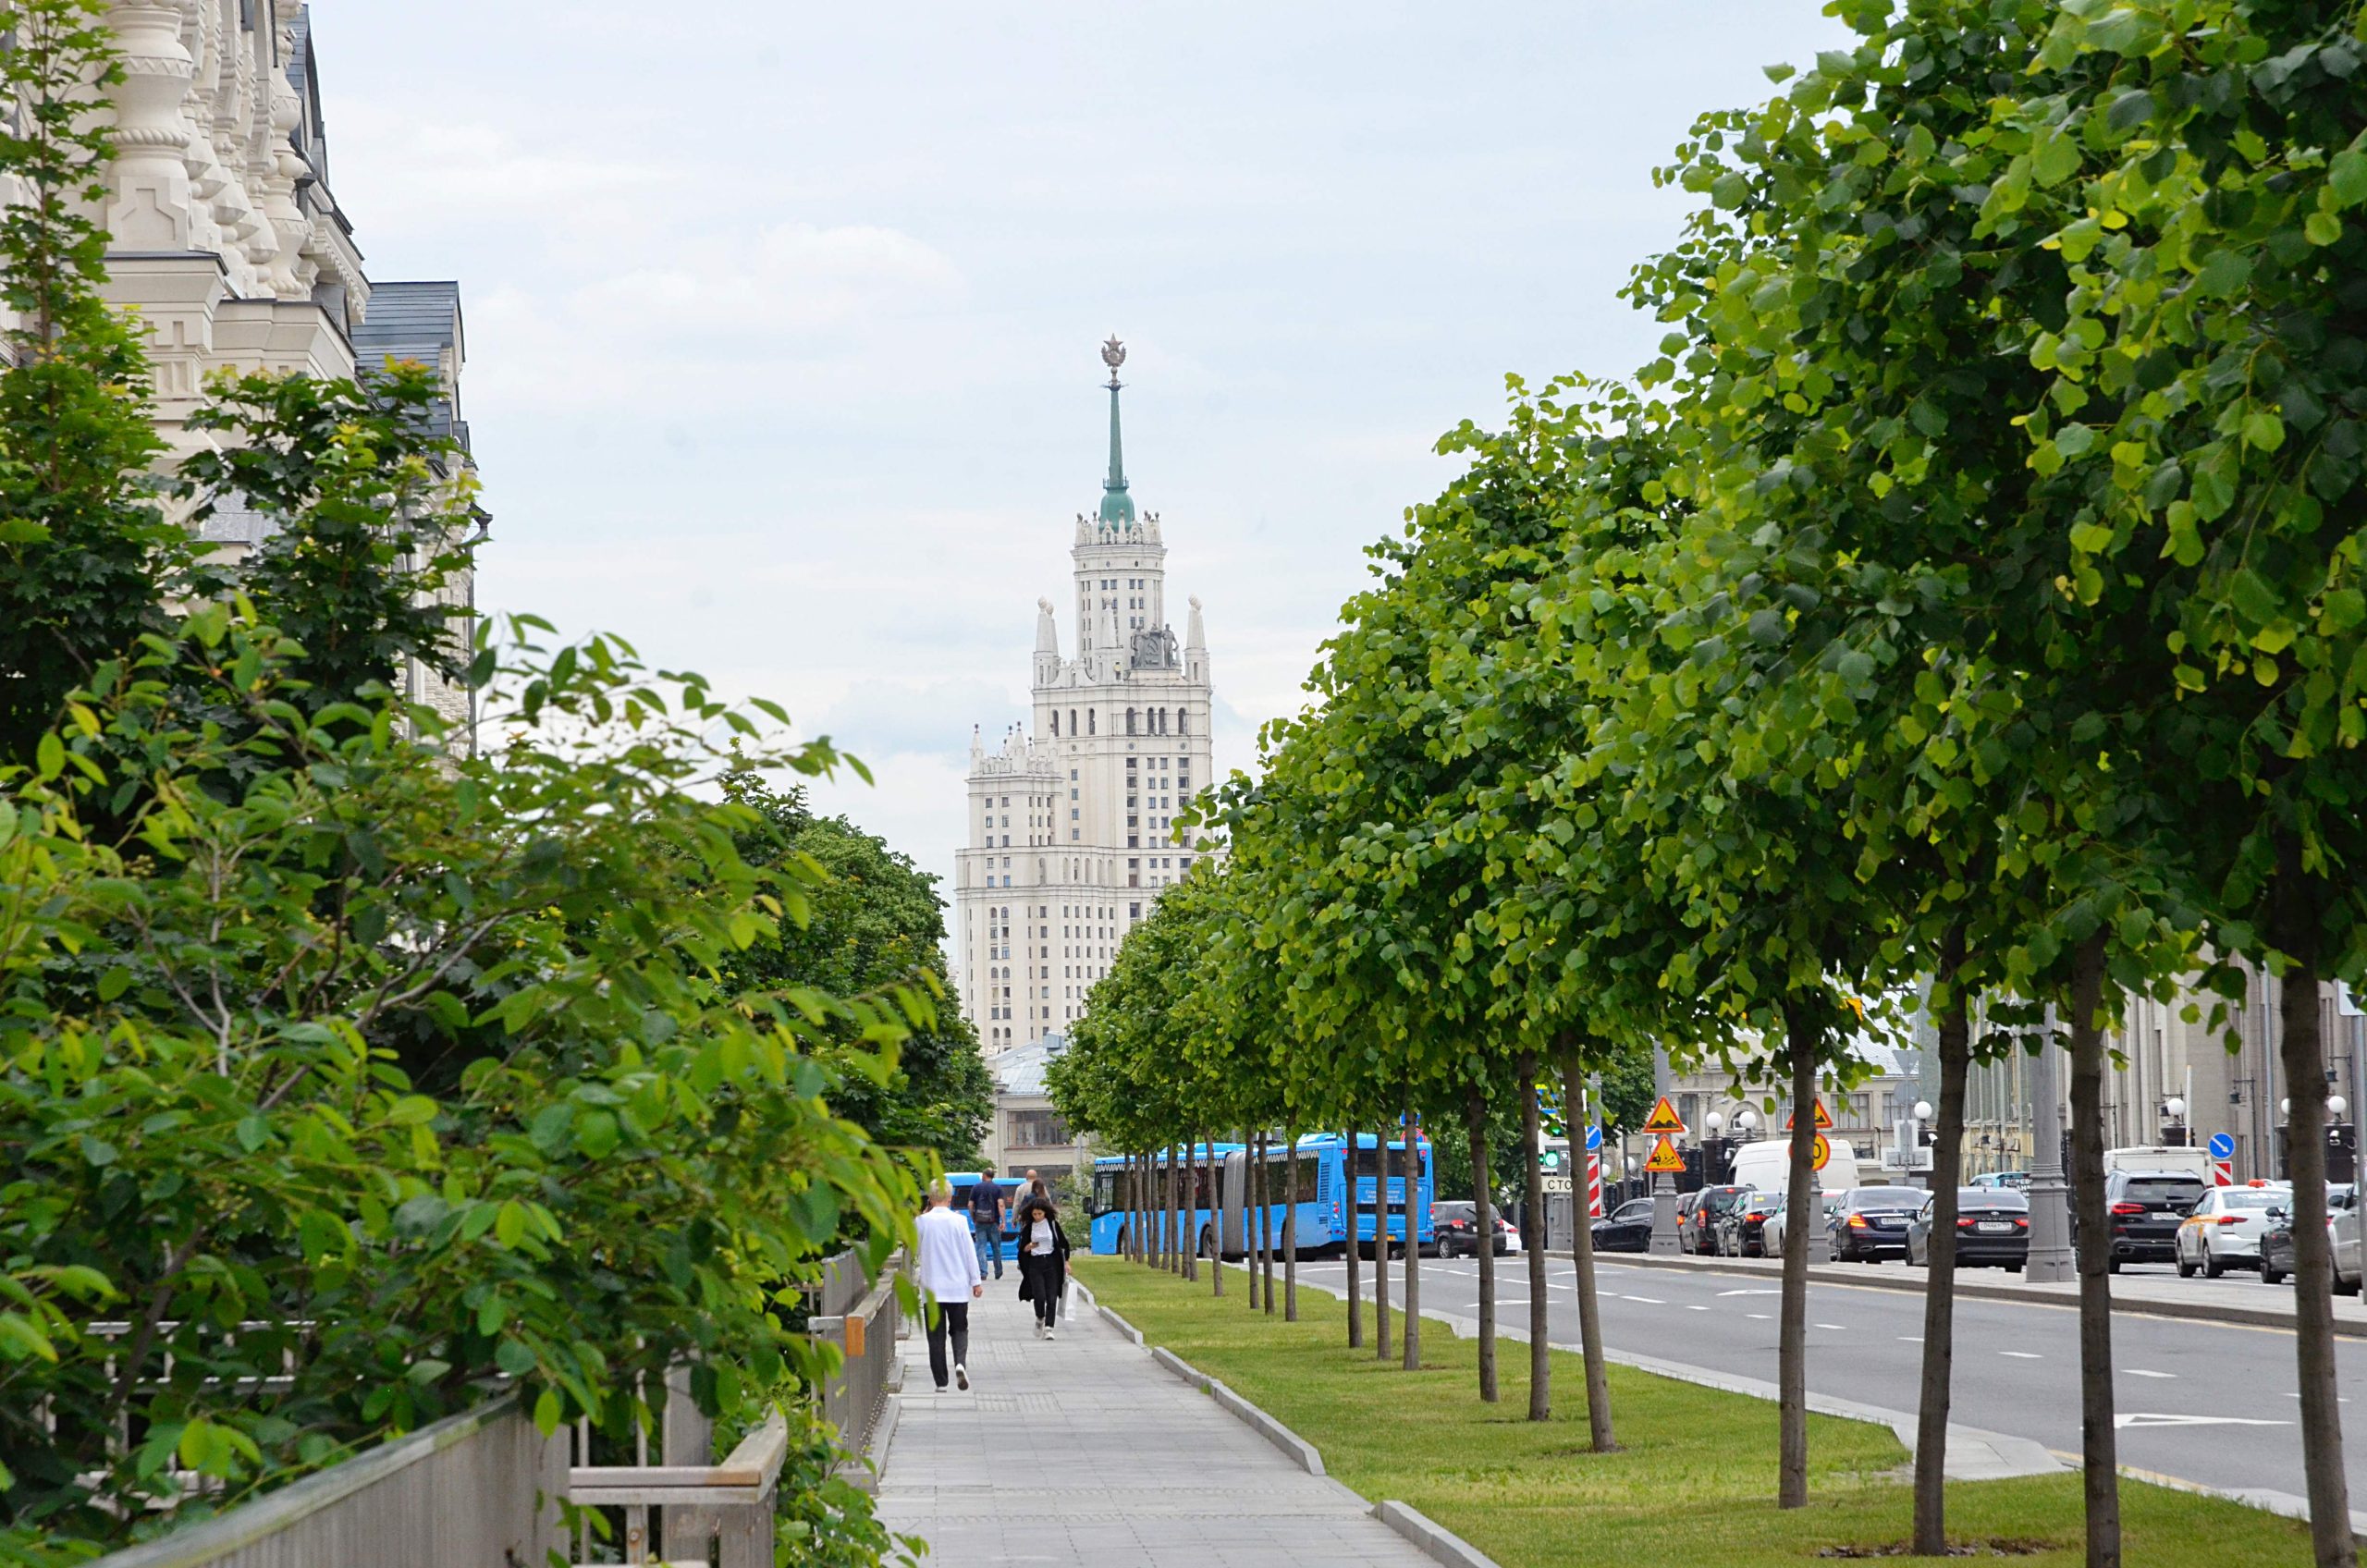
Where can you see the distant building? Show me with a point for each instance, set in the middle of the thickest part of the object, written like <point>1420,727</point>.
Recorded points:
<point>1071,817</point>
<point>225,235</point>
<point>1027,1133</point>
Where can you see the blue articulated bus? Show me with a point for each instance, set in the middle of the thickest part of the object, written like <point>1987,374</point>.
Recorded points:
<point>1320,1220</point>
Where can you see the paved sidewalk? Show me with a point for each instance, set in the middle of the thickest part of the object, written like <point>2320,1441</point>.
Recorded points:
<point>1085,1451</point>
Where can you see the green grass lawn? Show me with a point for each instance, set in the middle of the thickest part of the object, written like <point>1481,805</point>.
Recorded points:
<point>1694,1484</point>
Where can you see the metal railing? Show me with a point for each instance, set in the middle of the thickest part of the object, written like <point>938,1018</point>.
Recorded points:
<point>480,1488</point>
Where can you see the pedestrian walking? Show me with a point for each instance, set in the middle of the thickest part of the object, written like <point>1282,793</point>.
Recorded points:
<point>1043,1257</point>
<point>987,1209</point>
<point>951,1281</point>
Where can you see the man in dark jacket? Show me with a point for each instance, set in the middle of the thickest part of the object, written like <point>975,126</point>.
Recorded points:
<point>986,1222</point>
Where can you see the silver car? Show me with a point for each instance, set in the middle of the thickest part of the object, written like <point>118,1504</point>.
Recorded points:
<point>2345,1231</point>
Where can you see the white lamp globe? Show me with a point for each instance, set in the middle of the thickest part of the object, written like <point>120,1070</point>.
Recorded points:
<point>1746,1119</point>
<point>2285,1107</point>
<point>2336,1106</point>
<point>2175,1108</point>
<point>1922,1110</point>
<point>1715,1121</point>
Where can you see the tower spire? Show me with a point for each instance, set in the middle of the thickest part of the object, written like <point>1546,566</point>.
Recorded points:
<point>1117,507</point>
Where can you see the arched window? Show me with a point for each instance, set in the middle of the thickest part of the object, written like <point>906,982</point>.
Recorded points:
<point>1182,721</point>
<point>1072,724</point>
<point>1092,723</point>
<point>1129,721</point>
<point>1056,721</point>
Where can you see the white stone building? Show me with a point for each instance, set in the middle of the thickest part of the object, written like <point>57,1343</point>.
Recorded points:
<point>1071,817</point>
<point>223,235</point>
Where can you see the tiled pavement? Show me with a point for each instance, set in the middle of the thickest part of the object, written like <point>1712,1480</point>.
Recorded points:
<point>1083,1450</point>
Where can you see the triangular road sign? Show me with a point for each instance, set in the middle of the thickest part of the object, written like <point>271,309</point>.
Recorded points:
<point>1663,1120</point>
<point>1823,1116</point>
<point>1664,1157</point>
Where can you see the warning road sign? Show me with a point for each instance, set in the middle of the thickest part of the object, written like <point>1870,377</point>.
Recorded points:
<point>1663,1120</point>
<point>1664,1157</point>
<point>1823,1116</point>
<point>1819,1152</point>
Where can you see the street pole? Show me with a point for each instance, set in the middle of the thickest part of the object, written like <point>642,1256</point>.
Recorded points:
<point>2051,1259</point>
<point>1664,1243</point>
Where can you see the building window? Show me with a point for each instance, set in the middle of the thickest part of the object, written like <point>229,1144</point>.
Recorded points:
<point>1089,726</point>
<point>1056,730</point>
<point>1130,729</point>
<point>1183,727</point>
<point>1072,728</point>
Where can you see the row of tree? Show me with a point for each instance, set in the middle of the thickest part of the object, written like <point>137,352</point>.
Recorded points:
<point>1965,602</point>
<point>350,1074</point>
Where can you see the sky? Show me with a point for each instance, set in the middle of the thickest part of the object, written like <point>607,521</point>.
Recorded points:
<point>783,319</point>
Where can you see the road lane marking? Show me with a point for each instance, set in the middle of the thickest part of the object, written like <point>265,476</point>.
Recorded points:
<point>1648,1301</point>
<point>1910,1339</point>
<point>2142,1372</point>
<point>2022,1354</point>
<point>1762,1317</point>
<point>2296,1393</point>
<point>2145,1418</point>
<point>1692,1307</point>
<point>1752,1293</point>
<point>1836,1328</point>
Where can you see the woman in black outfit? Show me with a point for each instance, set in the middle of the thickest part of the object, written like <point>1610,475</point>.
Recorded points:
<point>1043,1256</point>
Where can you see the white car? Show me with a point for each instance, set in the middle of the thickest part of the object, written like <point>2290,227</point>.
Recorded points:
<point>2224,1230</point>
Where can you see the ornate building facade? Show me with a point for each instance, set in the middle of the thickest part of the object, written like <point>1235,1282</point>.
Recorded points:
<point>226,237</point>
<point>1071,815</point>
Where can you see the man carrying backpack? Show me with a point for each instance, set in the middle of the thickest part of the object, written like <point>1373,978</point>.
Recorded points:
<point>987,1205</point>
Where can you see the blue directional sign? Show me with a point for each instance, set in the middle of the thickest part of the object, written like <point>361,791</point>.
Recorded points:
<point>2223,1145</point>
<point>1594,1139</point>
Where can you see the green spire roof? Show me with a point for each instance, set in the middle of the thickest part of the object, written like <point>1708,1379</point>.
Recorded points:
<point>1117,507</point>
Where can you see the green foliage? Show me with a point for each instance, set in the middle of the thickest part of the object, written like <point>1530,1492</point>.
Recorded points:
<point>613,1159</point>
<point>372,517</point>
<point>86,557</point>
<point>870,919</point>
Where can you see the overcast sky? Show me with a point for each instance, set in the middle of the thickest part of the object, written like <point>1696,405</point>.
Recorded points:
<point>782,318</point>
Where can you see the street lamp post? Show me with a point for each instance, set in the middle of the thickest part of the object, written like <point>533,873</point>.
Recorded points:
<point>2051,1259</point>
<point>2174,1128</point>
<point>1922,1131</point>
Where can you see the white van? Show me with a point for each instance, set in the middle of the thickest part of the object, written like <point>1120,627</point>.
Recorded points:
<point>2158,1158</point>
<point>1766,1164</point>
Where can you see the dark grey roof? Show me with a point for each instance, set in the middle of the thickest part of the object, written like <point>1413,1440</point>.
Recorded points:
<point>416,320</point>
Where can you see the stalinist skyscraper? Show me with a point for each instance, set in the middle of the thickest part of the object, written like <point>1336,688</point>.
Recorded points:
<point>1069,815</point>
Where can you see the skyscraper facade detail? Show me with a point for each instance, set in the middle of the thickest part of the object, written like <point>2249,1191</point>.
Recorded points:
<point>1071,815</point>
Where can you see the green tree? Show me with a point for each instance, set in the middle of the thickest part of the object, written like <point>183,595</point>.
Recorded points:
<point>86,556</point>
<point>871,920</point>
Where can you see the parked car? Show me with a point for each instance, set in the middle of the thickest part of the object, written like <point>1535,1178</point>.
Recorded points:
<point>2147,1210</point>
<point>1870,1224</point>
<point>1710,1208</point>
<point>1627,1228</point>
<point>1741,1228</point>
<point>2224,1230</point>
<point>1685,1234</point>
<point>1992,1227</point>
<point>2020,1181</point>
<point>1772,1230</point>
<point>2276,1257</point>
<point>1458,1229</point>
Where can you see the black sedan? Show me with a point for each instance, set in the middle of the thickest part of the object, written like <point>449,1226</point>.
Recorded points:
<point>1458,1230</point>
<point>1741,1230</point>
<point>1627,1228</point>
<point>1992,1227</point>
<point>1871,1224</point>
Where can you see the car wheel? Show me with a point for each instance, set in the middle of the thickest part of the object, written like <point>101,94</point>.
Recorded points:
<point>2186,1271</point>
<point>2270,1276</point>
<point>2212,1267</point>
<point>2112,1266</point>
<point>2344,1285</point>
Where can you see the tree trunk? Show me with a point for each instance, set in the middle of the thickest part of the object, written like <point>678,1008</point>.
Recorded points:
<point>2099,1445</point>
<point>1266,1217</point>
<point>1412,1165</point>
<point>1355,1246</point>
<point>1252,1210</point>
<point>1215,1226</point>
<point>1381,1245</point>
<point>1801,1038</point>
<point>1574,1102</point>
<point>1179,1257</point>
<point>1939,1283</point>
<point>1289,1226</point>
<point>1532,1245</point>
<point>1483,1205</point>
<point>2295,902</point>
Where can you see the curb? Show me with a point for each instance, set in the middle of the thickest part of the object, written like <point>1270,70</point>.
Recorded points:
<point>1435,1539</point>
<point>1296,1448</point>
<point>1873,1279</point>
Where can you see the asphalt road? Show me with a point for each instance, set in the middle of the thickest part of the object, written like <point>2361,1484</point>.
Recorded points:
<point>2205,1402</point>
